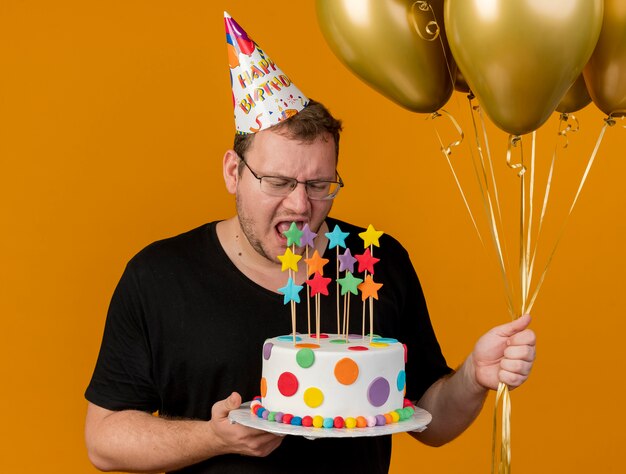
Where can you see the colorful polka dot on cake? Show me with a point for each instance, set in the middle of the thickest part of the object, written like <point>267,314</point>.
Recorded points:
<point>305,357</point>
<point>287,384</point>
<point>378,392</point>
<point>313,397</point>
<point>346,371</point>
<point>267,350</point>
<point>401,380</point>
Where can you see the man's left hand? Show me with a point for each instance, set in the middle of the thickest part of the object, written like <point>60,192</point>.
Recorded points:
<point>505,354</point>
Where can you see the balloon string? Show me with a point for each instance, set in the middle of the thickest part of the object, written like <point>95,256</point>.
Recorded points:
<point>490,197</point>
<point>446,150</point>
<point>565,126</point>
<point>531,213</point>
<point>504,467</point>
<point>608,122</point>
<point>432,27</point>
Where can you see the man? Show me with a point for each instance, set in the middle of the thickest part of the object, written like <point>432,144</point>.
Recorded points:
<point>188,319</point>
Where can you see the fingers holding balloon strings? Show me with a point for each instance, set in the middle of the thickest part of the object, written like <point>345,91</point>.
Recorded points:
<point>522,352</point>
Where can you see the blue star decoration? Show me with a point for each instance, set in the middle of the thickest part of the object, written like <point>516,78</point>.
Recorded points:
<point>337,238</point>
<point>290,291</point>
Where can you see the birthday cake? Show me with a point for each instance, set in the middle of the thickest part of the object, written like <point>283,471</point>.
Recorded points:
<point>333,382</point>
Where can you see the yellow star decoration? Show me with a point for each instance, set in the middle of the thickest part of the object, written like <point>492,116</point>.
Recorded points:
<point>369,288</point>
<point>289,260</point>
<point>371,236</point>
<point>316,263</point>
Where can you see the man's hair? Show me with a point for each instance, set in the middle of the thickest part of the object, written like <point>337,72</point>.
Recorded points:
<point>311,123</point>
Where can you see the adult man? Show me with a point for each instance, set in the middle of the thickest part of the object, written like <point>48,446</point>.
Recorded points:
<point>187,321</point>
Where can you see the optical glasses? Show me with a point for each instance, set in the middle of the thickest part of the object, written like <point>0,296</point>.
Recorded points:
<point>280,186</point>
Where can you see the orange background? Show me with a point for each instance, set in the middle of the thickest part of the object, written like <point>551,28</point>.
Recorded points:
<point>114,119</point>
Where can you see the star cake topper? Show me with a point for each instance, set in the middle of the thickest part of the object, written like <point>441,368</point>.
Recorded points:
<point>289,260</point>
<point>349,283</point>
<point>291,291</point>
<point>307,236</point>
<point>369,288</point>
<point>346,262</point>
<point>318,284</point>
<point>366,261</point>
<point>337,238</point>
<point>371,236</point>
<point>316,263</point>
<point>293,234</point>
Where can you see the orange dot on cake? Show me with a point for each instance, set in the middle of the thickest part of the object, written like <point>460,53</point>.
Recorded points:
<point>346,371</point>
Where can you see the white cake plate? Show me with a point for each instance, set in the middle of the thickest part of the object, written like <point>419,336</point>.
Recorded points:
<point>245,417</point>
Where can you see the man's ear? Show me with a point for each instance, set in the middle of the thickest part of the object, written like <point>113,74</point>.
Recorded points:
<point>230,167</point>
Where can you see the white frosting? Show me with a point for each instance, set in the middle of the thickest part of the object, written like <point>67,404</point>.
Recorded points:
<point>360,392</point>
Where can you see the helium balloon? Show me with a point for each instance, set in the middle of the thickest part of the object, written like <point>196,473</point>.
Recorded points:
<point>605,73</point>
<point>379,41</point>
<point>520,57</point>
<point>460,84</point>
<point>575,98</point>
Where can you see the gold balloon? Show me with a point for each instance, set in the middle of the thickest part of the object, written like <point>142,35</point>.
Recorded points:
<point>460,84</point>
<point>520,57</point>
<point>575,98</point>
<point>379,40</point>
<point>605,73</point>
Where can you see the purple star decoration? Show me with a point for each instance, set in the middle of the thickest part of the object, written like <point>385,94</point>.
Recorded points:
<point>307,237</point>
<point>346,262</point>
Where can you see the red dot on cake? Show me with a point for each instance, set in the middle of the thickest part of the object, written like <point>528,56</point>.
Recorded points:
<point>358,348</point>
<point>287,384</point>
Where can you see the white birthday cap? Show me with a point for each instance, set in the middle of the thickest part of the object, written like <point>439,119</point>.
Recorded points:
<point>263,94</point>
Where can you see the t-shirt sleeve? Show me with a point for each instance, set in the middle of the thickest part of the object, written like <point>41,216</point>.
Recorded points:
<point>122,377</point>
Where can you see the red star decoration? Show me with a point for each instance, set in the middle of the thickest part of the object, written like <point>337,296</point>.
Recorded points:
<point>369,288</point>
<point>318,284</point>
<point>366,261</point>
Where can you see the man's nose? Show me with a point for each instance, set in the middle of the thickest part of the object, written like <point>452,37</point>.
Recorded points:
<point>298,200</point>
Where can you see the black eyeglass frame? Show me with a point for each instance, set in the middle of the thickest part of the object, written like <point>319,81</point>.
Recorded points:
<point>294,182</point>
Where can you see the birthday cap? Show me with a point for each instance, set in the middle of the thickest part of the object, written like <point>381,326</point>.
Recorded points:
<point>263,94</point>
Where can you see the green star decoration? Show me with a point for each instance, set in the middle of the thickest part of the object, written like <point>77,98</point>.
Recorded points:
<point>294,235</point>
<point>349,283</point>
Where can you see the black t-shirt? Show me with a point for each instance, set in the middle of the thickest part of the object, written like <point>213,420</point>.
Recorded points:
<point>185,328</point>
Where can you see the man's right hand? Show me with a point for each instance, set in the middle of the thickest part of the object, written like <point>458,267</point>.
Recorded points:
<point>239,439</point>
